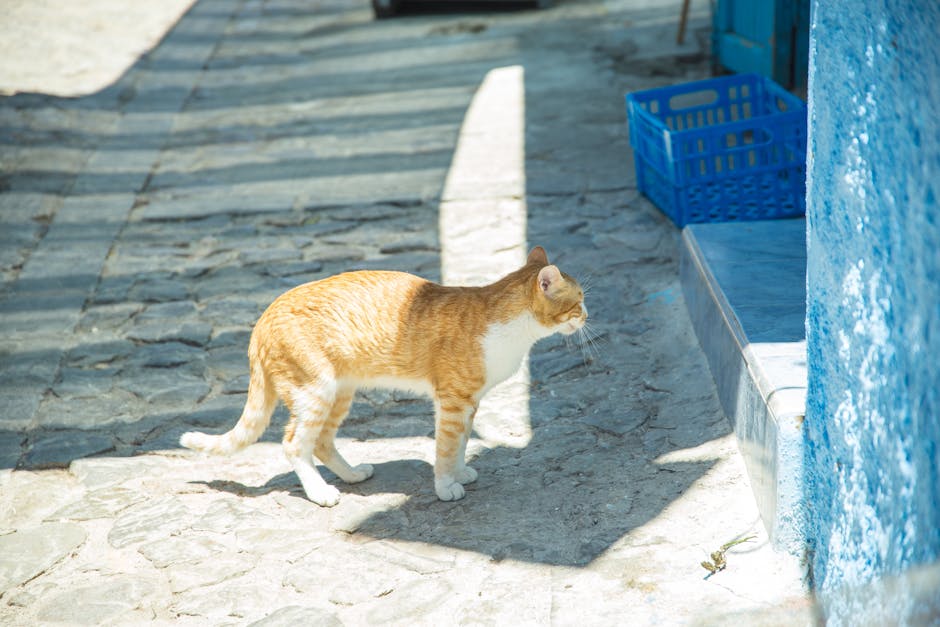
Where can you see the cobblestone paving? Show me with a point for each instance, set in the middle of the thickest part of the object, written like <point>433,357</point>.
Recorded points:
<point>266,144</point>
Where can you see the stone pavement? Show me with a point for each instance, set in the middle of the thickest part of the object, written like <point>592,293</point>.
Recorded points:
<point>263,144</point>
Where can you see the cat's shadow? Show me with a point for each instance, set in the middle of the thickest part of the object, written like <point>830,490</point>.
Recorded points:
<point>401,476</point>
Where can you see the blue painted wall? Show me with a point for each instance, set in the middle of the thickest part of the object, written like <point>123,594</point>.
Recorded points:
<point>873,318</point>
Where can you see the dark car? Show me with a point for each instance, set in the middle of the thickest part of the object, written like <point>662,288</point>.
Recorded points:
<point>388,8</point>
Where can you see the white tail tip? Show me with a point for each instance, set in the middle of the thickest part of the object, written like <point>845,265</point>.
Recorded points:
<point>197,441</point>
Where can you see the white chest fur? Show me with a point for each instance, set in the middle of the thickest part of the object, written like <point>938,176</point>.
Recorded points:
<point>505,344</point>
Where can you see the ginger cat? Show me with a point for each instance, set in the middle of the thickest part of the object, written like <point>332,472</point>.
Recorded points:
<point>319,342</point>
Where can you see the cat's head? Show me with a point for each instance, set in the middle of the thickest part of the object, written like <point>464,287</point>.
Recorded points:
<point>558,298</point>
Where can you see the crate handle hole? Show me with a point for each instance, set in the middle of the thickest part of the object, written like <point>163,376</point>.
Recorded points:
<point>693,99</point>
<point>748,137</point>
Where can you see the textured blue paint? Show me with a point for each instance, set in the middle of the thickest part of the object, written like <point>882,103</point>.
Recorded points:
<point>873,314</point>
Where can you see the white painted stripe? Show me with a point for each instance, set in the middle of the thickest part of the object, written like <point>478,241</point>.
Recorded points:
<point>483,226</point>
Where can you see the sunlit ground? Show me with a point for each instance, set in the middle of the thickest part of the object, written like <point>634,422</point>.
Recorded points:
<point>484,237</point>
<point>76,48</point>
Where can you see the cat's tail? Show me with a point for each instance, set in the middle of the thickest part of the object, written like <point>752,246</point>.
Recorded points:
<point>255,418</point>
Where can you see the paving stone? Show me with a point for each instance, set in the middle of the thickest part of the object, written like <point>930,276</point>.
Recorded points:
<point>355,511</point>
<point>191,333</point>
<point>19,408</point>
<point>545,366</point>
<point>115,600</point>
<point>57,449</point>
<point>348,583</point>
<point>158,290</point>
<point>299,615</point>
<point>229,281</point>
<point>158,385</point>
<point>413,601</point>
<point>187,575</point>
<point>617,422</point>
<point>229,311</point>
<point>99,472</point>
<point>315,227</point>
<point>325,252</point>
<point>385,426</point>
<point>113,289</point>
<point>199,206</point>
<point>102,503</point>
<point>236,385</point>
<point>164,438</point>
<point>29,552</point>
<point>228,362</point>
<point>166,355</point>
<point>107,316</point>
<point>231,598</point>
<point>182,395</point>
<point>426,265</point>
<point>148,521</point>
<point>230,337</point>
<point>224,516</point>
<point>118,406</point>
<point>217,412</point>
<point>288,544</point>
<point>187,548</point>
<point>419,558</point>
<point>269,255</point>
<point>368,213</point>
<point>84,382</point>
<point>97,353</point>
<point>168,311</point>
<point>410,245</point>
<point>29,364</point>
<point>306,269</point>
<point>11,448</point>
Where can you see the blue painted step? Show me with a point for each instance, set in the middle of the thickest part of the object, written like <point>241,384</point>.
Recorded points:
<point>745,289</point>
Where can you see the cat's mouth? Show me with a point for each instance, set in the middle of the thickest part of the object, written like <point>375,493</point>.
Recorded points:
<point>573,326</point>
<point>576,324</point>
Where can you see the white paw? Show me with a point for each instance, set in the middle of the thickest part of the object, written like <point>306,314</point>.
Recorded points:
<point>324,496</point>
<point>359,473</point>
<point>448,490</point>
<point>465,475</point>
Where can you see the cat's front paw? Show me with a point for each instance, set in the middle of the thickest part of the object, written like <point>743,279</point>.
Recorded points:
<point>448,490</point>
<point>359,473</point>
<point>465,475</point>
<point>324,496</point>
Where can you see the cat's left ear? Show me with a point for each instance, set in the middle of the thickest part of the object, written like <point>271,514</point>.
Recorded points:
<point>550,280</point>
<point>538,255</point>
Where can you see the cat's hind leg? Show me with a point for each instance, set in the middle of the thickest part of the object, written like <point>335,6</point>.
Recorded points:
<point>453,416</point>
<point>325,449</point>
<point>310,407</point>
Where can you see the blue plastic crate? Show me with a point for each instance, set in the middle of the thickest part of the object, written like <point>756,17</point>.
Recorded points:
<point>729,148</point>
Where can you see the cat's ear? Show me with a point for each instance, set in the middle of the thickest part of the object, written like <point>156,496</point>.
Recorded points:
<point>550,280</point>
<point>538,255</point>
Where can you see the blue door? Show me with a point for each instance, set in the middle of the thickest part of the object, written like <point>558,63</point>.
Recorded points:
<point>769,37</point>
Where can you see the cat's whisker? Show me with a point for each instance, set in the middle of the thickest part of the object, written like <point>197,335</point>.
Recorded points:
<point>589,340</point>
<point>587,354</point>
<point>589,330</point>
<point>587,284</point>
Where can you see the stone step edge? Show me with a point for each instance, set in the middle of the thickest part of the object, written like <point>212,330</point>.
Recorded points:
<point>767,421</point>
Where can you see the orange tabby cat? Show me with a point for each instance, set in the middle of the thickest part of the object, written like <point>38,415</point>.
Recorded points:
<point>320,341</point>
